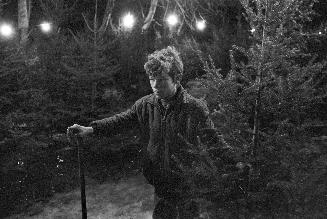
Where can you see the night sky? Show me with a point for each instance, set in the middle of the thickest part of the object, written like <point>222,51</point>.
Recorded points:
<point>74,19</point>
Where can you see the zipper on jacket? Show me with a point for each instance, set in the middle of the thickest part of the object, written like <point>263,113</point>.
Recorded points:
<point>164,144</point>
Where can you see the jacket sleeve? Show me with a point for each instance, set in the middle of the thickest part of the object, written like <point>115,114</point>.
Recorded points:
<point>117,123</point>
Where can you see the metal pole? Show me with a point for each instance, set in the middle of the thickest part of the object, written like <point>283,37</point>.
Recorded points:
<point>81,175</point>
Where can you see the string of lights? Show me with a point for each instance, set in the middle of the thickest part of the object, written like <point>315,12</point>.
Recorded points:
<point>8,30</point>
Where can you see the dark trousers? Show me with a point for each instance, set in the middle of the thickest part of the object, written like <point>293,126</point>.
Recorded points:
<point>170,195</point>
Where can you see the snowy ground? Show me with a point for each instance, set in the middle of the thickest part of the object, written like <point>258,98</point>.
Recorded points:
<point>130,198</point>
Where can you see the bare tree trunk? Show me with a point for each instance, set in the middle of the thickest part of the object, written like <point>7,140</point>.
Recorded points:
<point>1,5</point>
<point>23,21</point>
<point>255,139</point>
<point>107,16</point>
<point>29,8</point>
<point>95,66</point>
<point>97,34</point>
<point>95,55</point>
<point>149,17</point>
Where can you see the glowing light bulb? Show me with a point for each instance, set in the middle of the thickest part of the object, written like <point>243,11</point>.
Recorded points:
<point>46,27</point>
<point>172,20</point>
<point>6,30</point>
<point>201,25</point>
<point>128,20</point>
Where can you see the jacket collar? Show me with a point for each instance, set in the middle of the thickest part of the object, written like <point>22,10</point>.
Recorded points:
<point>177,99</point>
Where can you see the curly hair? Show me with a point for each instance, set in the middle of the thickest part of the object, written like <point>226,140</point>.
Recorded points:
<point>165,60</point>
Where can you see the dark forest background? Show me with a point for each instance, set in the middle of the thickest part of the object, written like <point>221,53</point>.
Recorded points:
<point>259,65</point>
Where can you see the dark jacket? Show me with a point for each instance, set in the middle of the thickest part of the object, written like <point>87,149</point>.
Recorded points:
<point>159,128</point>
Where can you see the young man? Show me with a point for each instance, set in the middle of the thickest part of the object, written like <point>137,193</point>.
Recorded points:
<point>161,117</point>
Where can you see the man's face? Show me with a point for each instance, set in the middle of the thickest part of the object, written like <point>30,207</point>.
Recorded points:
<point>163,85</point>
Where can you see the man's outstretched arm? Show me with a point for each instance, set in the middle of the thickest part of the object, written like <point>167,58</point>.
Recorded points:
<point>115,124</point>
<point>108,126</point>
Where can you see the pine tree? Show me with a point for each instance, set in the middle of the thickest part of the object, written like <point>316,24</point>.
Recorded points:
<point>262,109</point>
<point>91,61</point>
